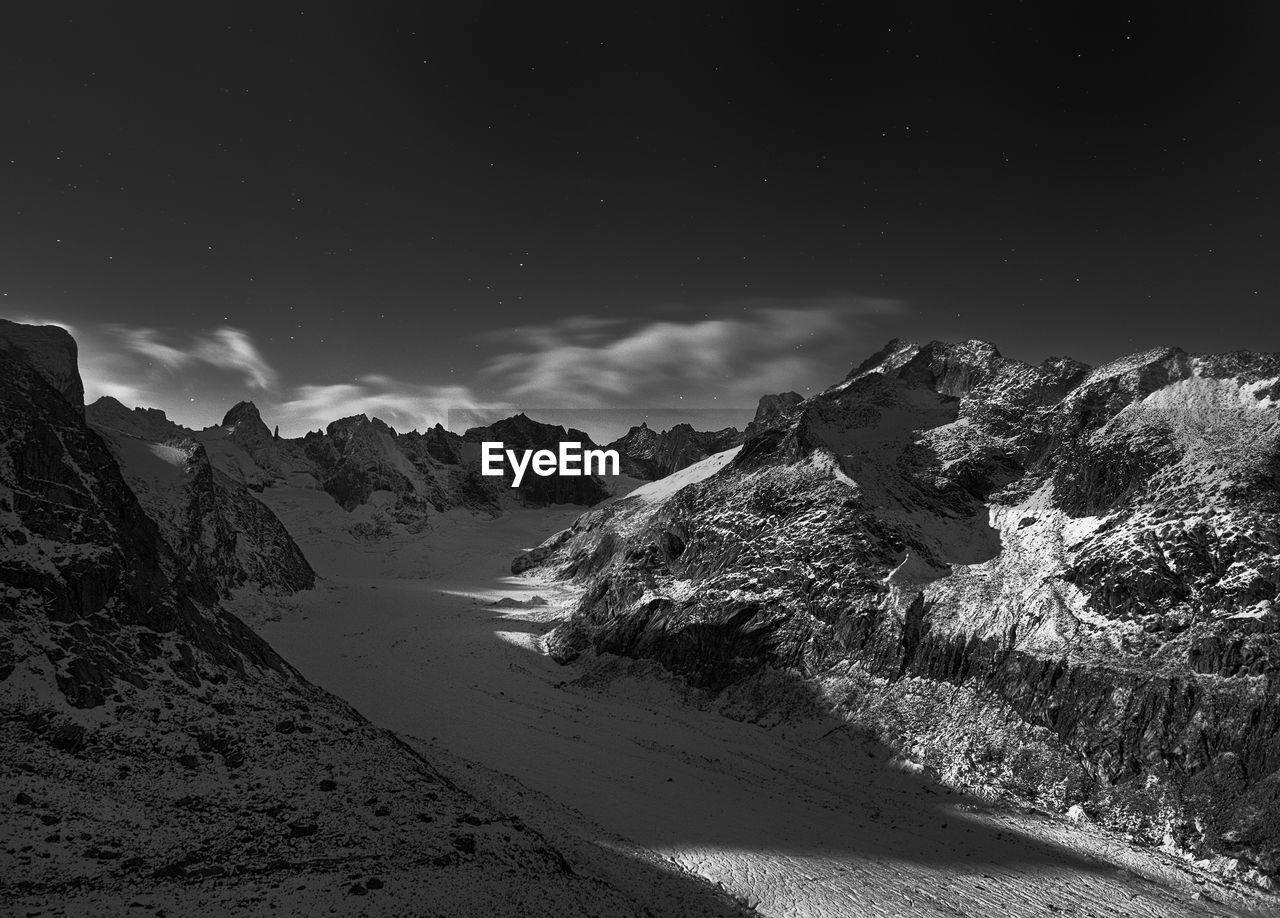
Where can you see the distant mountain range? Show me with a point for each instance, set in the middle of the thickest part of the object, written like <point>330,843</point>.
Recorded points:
<point>198,484</point>
<point>649,454</point>
<point>432,471</point>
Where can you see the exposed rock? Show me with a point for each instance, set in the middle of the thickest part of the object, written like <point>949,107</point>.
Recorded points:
<point>357,456</point>
<point>80,551</point>
<point>50,351</point>
<point>1049,581</point>
<point>535,556</point>
<point>436,443</point>
<point>243,426</point>
<point>772,410</point>
<point>648,454</point>
<point>222,533</point>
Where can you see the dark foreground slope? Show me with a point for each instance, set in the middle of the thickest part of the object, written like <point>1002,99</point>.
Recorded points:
<point>156,755</point>
<point>1044,581</point>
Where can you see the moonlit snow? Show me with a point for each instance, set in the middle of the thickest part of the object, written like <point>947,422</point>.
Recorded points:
<point>430,636</point>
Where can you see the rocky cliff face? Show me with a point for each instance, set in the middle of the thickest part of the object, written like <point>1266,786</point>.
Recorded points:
<point>771,411</point>
<point>50,350</point>
<point>225,537</point>
<point>90,584</point>
<point>357,456</point>
<point>154,749</point>
<point>1047,581</point>
<point>649,454</point>
<point>245,449</point>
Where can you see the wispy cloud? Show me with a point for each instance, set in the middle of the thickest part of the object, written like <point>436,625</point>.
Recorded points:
<point>151,367</point>
<point>225,348</point>
<point>105,375</point>
<point>103,370</point>
<point>727,357</point>
<point>402,405</point>
<point>751,347</point>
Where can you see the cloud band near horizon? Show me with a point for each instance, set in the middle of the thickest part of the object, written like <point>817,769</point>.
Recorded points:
<point>724,358</point>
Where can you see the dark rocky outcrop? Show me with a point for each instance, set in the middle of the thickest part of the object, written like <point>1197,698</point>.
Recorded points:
<point>92,581</point>
<point>771,412</point>
<point>357,456</point>
<point>650,454</point>
<point>49,350</point>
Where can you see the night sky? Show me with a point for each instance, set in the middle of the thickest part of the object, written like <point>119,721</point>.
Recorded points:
<point>399,209</point>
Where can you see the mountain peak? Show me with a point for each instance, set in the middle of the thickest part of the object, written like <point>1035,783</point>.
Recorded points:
<point>772,409</point>
<point>244,425</point>
<point>970,348</point>
<point>109,403</point>
<point>650,454</point>
<point>950,368</point>
<point>888,359</point>
<point>51,351</point>
<point>241,411</point>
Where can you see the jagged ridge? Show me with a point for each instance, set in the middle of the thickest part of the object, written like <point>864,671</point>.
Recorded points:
<point>227,537</point>
<point>650,454</point>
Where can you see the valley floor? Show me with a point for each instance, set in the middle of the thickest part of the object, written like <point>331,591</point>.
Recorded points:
<point>428,636</point>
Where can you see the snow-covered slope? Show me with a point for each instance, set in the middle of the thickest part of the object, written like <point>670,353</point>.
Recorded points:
<point>793,814</point>
<point>663,488</point>
<point>1046,581</point>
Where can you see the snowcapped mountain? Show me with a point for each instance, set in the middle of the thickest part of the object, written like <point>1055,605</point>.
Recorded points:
<point>409,476</point>
<point>1052,582</point>
<point>225,535</point>
<point>157,754</point>
<point>650,454</point>
<point>200,485</point>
